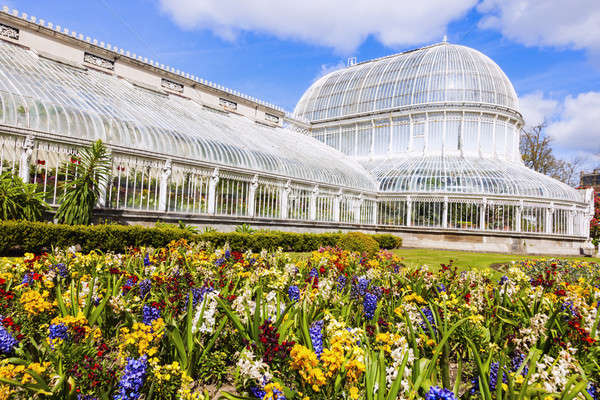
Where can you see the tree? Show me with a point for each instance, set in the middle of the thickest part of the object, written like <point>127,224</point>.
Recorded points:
<point>537,153</point>
<point>82,194</point>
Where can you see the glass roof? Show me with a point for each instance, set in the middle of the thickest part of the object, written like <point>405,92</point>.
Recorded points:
<point>49,96</point>
<point>457,175</point>
<point>435,74</point>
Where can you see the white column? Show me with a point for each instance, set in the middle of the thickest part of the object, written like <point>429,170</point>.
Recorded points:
<point>408,211</point>
<point>375,209</point>
<point>313,203</point>
<point>336,205</point>
<point>445,213</point>
<point>519,216</point>
<point>25,159</point>
<point>163,190</point>
<point>357,203</point>
<point>252,196</point>
<point>212,191</point>
<point>482,214</point>
<point>283,199</point>
<point>103,186</point>
<point>549,219</point>
<point>570,218</point>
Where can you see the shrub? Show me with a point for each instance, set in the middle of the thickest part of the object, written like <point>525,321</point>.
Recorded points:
<point>358,241</point>
<point>35,237</point>
<point>19,200</point>
<point>388,241</point>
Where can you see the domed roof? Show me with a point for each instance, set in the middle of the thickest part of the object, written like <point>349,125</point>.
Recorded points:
<point>470,176</point>
<point>440,73</point>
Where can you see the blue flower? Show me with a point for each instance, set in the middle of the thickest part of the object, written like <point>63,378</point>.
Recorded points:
<point>132,379</point>
<point>227,254</point>
<point>59,331</point>
<point>441,288</point>
<point>360,288</point>
<point>341,280</point>
<point>144,287</point>
<point>317,337</point>
<point>7,341</point>
<point>219,262</point>
<point>503,280</point>
<point>147,261</point>
<point>593,391</point>
<point>436,392</point>
<point>27,278</point>
<point>61,270</point>
<point>294,293</point>
<point>150,314</point>
<point>429,318</point>
<point>314,273</point>
<point>370,305</point>
<point>257,392</point>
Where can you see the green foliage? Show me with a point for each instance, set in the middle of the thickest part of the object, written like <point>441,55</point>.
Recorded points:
<point>360,242</point>
<point>37,236</point>
<point>19,200</point>
<point>388,241</point>
<point>213,369</point>
<point>82,194</point>
<point>244,228</point>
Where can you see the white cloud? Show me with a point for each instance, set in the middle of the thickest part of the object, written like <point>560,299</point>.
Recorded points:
<point>537,109</point>
<point>562,23</point>
<point>577,125</point>
<point>340,24</point>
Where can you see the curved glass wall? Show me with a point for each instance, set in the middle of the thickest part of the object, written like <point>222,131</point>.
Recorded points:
<point>442,73</point>
<point>44,95</point>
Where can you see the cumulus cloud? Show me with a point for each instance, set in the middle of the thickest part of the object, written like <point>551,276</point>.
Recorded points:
<point>340,24</point>
<point>536,108</point>
<point>562,23</point>
<point>577,125</point>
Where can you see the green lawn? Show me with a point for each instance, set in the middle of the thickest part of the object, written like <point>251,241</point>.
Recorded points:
<point>465,259</point>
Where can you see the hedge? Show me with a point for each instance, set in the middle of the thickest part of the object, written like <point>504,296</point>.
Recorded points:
<point>17,237</point>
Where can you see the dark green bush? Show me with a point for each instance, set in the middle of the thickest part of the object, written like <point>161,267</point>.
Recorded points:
<point>35,237</point>
<point>388,241</point>
<point>358,241</point>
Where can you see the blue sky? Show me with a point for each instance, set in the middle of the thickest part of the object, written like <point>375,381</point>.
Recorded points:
<point>274,50</point>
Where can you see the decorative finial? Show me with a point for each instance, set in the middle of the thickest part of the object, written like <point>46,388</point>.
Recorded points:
<point>445,39</point>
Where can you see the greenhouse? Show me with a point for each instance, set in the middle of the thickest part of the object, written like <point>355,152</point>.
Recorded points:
<point>425,139</point>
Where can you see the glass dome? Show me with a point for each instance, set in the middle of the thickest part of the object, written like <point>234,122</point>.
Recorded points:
<point>442,73</point>
<point>48,96</point>
<point>473,176</point>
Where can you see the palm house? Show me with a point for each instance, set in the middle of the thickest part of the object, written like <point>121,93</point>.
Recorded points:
<point>424,144</point>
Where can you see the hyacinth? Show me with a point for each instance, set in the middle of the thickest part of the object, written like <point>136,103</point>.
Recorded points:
<point>294,293</point>
<point>436,392</point>
<point>86,397</point>
<point>144,287</point>
<point>592,390</point>
<point>429,315</point>
<point>59,331</point>
<point>150,314</point>
<point>503,280</point>
<point>27,279</point>
<point>341,283</point>
<point>359,288</point>
<point>314,273</point>
<point>132,379</point>
<point>370,305</point>
<point>316,337</point>
<point>147,261</point>
<point>441,288</point>
<point>7,341</point>
<point>257,392</point>
<point>198,295</point>
<point>61,270</point>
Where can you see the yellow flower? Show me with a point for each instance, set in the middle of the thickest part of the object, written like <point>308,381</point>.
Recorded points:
<point>35,302</point>
<point>354,392</point>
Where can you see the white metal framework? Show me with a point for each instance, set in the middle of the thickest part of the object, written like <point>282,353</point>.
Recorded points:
<point>426,139</point>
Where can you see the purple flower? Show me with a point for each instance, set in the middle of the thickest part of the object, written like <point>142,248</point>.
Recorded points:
<point>132,379</point>
<point>593,391</point>
<point>7,341</point>
<point>341,280</point>
<point>370,305</point>
<point>61,270</point>
<point>316,337</point>
<point>150,314</point>
<point>294,293</point>
<point>436,392</point>
<point>27,278</point>
<point>147,261</point>
<point>429,318</point>
<point>314,273</point>
<point>359,288</point>
<point>144,287</point>
<point>59,331</point>
<point>257,392</point>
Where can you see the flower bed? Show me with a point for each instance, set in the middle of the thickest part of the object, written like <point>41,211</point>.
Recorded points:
<point>168,323</point>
